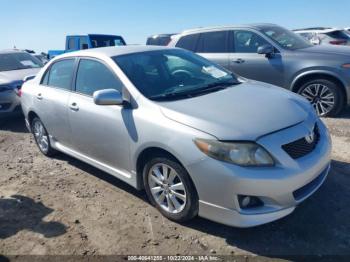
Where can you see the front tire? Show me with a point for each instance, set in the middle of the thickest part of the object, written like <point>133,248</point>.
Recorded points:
<point>41,137</point>
<point>170,190</point>
<point>326,96</point>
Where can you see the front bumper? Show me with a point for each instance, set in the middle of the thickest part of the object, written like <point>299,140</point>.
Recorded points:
<point>10,104</point>
<point>280,188</point>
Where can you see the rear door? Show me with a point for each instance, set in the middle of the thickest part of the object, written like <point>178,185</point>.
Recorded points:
<point>51,99</point>
<point>245,60</point>
<point>99,132</point>
<point>215,47</point>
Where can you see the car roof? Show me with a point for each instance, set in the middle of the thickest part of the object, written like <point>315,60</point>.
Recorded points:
<point>114,51</point>
<point>256,26</point>
<point>318,30</point>
<point>12,51</point>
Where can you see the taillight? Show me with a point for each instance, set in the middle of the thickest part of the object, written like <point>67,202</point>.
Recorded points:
<point>338,42</point>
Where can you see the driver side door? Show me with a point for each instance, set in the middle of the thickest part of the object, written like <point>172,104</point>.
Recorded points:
<point>245,60</point>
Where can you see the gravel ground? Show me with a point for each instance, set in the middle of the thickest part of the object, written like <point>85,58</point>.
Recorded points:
<point>62,206</point>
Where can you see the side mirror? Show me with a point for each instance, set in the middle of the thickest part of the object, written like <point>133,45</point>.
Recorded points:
<point>27,78</point>
<point>266,50</point>
<point>108,97</point>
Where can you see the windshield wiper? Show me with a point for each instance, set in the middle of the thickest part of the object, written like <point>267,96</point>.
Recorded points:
<point>192,93</point>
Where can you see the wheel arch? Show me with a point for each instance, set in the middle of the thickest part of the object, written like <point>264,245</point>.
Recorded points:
<point>319,74</point>
<point>148,153</point>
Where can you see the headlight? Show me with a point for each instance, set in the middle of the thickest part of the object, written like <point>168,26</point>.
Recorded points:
<point>239,153</point>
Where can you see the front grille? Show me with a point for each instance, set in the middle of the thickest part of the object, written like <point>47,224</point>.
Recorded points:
<point>302,146</point>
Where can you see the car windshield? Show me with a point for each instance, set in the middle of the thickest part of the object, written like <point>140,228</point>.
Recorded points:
<point>173,74</point>
<point>18,61</point>
<point>285,38</point>
<point>105,40</point>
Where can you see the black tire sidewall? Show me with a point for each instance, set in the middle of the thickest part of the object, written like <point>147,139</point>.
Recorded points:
<point>338,95</point>
<point>191,207</point>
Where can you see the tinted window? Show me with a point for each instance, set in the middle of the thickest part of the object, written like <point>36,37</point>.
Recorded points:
<point>93,76</point>
<point>71,43</point>
<point>61,74</point>
<point>171,73</point>
<point>212,42</point>
<point>188,42</point>
<point>338,35</point>
<point>105,40</point>
<point>18,61</point>
<point>247,42</point>
<point>159,40</point>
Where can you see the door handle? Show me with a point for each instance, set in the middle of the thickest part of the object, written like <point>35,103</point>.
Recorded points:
<point>39,96</point>
<point>74,107</point>
<point>239,61</point>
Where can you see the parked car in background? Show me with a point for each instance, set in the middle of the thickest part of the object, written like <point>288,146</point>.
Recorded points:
<point>14,67</point>
<point>198,139</point>
<point>273,54</point>
<point>324,35</point>
<point>81,42</point>
<point>42,57</point>
<point>160,40</point>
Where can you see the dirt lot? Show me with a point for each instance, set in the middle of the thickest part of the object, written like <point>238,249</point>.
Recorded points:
<point>63,206</point>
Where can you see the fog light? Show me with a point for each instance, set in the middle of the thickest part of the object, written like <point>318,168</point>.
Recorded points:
<point>249,201</point>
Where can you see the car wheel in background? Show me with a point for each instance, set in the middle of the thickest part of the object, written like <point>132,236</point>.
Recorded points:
<point>41,137</point>
<point>325,95</point>
<point>170,189</point>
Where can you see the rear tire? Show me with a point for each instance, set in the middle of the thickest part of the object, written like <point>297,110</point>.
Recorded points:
<point>41,137</point>
<point>170,189</point>
<point>325,95</point>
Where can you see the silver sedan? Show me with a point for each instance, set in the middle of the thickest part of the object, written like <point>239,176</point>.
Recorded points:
<point>199,140</point>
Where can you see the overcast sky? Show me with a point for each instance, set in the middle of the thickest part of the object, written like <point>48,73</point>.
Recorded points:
<point>43,24</point>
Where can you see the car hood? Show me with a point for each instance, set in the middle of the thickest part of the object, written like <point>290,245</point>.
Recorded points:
<point>327,49</point>
<point>241,112</point>
<point>8,77</point>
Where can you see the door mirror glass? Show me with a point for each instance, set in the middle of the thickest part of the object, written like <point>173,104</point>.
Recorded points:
<point>108,97</point>
<point>265,50</point>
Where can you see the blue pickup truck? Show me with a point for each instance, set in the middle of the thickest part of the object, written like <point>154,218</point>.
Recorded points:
<point>79,42</point>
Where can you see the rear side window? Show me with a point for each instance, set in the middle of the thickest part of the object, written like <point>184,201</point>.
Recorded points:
<point>213,42</point>
<point>61,74</point>
<point>188,42</point>
<point>93,76</point>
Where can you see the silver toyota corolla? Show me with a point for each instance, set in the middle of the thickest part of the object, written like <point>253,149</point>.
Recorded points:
<point>197,138</point>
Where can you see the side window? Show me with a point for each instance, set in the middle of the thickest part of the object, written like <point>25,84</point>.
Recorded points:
<point>93,76</point>
<point>61,74</point>
<point>83,43</point>
<point>71,43</point>
<point>247,41</point>
<point>212,42</point>
<point>45,79</point>
<point>188,42</point>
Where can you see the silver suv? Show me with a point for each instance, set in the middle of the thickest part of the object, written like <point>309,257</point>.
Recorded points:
<point>195,137</point>
<point>275,55</point>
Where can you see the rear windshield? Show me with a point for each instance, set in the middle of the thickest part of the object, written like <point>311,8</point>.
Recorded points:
<point>104,41</point>
<point>18,61</point>
<point>160,40</point>
<point>338,35</point>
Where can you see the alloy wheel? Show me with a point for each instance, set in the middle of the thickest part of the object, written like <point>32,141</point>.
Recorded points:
<point>321,97</point>
<point>167,188</point>
<point>41,136</point>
